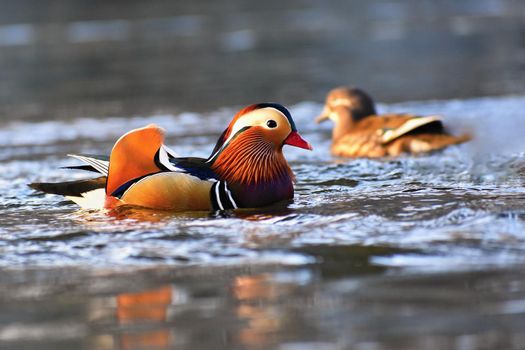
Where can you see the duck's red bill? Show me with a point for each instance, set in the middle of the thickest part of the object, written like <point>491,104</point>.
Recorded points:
<point>294,139</point>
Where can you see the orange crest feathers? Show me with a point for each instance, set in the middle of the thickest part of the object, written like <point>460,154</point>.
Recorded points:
<point>226,133</point>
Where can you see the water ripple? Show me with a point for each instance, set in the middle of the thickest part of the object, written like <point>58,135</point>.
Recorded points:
<point>450,208</point>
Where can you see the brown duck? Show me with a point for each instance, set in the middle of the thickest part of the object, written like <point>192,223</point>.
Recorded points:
<point>360,132</point>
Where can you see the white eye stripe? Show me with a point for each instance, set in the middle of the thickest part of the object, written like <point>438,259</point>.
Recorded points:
<point>258,116</point>
<point>253,118</point>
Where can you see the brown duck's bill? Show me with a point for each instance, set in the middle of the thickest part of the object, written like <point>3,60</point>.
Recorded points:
<point>294,139</point>
<point>323,116</point>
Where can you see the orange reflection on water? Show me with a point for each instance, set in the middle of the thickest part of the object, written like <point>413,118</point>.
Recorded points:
<point>255,295</point>
<point>149,306</point>
<point>250,288</point>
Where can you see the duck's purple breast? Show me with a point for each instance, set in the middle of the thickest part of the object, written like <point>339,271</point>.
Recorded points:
<point>263,194</point>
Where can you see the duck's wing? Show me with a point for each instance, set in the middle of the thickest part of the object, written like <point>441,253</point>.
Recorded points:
<point>197,167</point>
<point>421,143</point>
<point>185,186</point>
<point>95,163</point>
<point>136,154</point>
<point>143,172</point>
<point>394,134</point>
<point>393,127</point>
<point>100,163</point>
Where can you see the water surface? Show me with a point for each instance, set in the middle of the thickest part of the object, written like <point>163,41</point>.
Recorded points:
<point>422,252</point>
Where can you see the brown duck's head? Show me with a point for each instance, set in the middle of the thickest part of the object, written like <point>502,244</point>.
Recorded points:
<point>350,101</point>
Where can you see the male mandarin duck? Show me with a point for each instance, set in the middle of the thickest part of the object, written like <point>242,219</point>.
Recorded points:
<point>360,132</point>
<point>246,169</point>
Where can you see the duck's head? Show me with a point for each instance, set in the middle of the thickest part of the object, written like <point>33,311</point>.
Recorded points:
<point>347,102</point>
<point>255,137</point>
<point>270,123</point>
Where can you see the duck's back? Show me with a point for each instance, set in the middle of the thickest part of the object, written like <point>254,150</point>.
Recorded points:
<point>394,134</point>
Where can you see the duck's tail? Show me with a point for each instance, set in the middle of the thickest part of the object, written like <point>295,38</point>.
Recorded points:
<point>89,193</point>
<point>462,138</point>
<point>136,154</point>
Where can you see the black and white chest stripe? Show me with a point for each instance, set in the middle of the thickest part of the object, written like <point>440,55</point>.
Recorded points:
<point>221,196</point>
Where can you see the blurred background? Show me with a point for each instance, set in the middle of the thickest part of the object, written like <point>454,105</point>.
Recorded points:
<point>410,253</point>
<point>71,58</point>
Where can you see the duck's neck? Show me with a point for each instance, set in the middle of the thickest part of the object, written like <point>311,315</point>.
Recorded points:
<point>250,160</point>
<point>343,123</point>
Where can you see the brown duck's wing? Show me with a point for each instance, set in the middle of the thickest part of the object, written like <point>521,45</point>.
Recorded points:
<point>395,126</point>
<point>170,191</point>
<point>359,143</point>
<point>366,139</point>
<point>369,146</point>
<point>393,134</point>
<point>421,143</point>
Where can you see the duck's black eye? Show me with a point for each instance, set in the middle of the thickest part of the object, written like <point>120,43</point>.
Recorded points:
<point>271,123</point>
